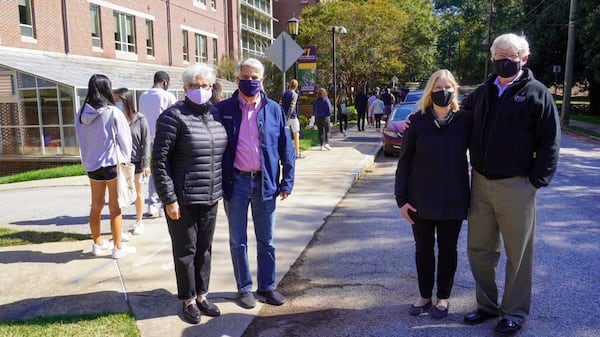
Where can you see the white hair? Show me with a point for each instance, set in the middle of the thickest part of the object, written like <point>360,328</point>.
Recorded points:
<point>252,63</point>
<point>203,70</point>
<point>511,40</point>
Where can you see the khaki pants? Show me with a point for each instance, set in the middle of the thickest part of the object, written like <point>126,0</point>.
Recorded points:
<point>502,207</point>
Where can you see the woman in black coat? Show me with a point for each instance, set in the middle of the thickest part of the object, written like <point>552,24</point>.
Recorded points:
<point>186,167</point>
<point>432,187</point>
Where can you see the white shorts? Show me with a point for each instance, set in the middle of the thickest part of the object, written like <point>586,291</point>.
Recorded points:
<point>294,124</point>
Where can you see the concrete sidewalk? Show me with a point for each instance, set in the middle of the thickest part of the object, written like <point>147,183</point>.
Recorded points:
<point>63,277</point>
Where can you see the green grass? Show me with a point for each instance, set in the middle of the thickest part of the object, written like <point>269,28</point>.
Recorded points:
<point>82,325</point>
<point>54,172</point>
<point>585,131</point>
<point>586,118</point>
<point>310,139</point>
<point>10,237</point>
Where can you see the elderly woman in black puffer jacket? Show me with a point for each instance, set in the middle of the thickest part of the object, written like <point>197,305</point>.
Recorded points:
<point>186,167</point>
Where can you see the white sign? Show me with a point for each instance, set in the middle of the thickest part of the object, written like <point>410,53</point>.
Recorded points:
<point>284,51</point>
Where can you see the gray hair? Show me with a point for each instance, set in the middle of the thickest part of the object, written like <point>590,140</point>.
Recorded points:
<point>252,63</point>
<point>203,70</point>
<point>511,40</point>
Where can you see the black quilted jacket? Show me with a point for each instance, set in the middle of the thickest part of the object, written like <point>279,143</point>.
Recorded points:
<point>187,155</point>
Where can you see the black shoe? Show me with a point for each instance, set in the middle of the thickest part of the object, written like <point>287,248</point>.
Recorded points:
<point>272,297</point>
<point>507,327</point>
<point>478,316</point>
<point>438,312</point>
<point>416,311</point>
<point>191,313</point>
<point>209,309</point>
<point>246,300</point>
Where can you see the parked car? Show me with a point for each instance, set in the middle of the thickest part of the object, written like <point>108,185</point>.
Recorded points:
<point>392,133</point>
<point>413,97</point>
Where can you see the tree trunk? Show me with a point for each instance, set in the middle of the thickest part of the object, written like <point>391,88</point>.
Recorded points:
<point>594,94</point>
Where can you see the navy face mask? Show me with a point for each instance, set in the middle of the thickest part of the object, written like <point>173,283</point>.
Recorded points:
<point>249,87</point>
<point>507,68</point>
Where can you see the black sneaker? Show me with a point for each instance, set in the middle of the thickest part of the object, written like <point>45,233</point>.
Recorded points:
<point>246,300</point>
<point>272,297</point>
<point>191,312</point>
<point>209,309</point>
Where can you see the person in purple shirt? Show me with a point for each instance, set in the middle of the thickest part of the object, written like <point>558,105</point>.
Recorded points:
<point>258,141</point>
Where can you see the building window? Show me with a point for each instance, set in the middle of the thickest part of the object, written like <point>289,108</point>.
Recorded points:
<point>201,48</point>
<point>26,18</point>
<point>215,51</point>
<point>124,32</point>
<point>149,38</point>
<point>200,3</point>
<point>186,55</point>
<point>213,4</point>
<point>96,30</point>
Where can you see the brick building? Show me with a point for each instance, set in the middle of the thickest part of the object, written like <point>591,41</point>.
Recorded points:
<point>50,48</point>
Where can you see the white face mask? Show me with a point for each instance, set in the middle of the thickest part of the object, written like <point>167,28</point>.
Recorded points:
<point>199,96</point>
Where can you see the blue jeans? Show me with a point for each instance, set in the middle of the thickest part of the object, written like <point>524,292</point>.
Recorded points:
<point>248,191</point>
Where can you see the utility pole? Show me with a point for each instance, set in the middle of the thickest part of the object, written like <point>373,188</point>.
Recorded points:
<point>566,103</point>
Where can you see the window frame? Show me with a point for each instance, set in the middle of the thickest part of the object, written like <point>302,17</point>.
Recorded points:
<point>201,41</point>
<point>150,38</point>
<point>96,18</point>
<point>27,29</point>
<point>122,21</point>
<point>186,47</point>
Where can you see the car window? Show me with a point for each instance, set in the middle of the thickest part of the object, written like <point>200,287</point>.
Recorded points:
<point>401,112</point>
<point>414,96</point>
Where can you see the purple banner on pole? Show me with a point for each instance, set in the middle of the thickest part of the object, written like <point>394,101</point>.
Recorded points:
<point>307,70</point>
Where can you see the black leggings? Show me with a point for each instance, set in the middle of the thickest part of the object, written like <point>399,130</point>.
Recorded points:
<point>425,237</point>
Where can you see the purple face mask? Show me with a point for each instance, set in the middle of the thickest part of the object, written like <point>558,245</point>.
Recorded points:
<point>198,96</point>
<point>249,87</point>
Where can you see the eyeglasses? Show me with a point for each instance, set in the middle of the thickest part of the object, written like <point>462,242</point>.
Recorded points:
<point>501,56</point>
<point>200,86</point>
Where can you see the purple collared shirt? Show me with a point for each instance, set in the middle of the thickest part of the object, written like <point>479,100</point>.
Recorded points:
<point>499,85</point>
<point>247,154</point>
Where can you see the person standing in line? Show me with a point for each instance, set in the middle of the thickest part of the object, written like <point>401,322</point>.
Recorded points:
<point>187,161</point>
<point>140,155</point>
<point>432,187</point>
<point>377,109</point>
<point>361,104</point>
<point>322,110</point>
<point>371,117</point>
<point>258,166</point>
<point>95,123</point>
<point>289,103</point>
<point>217,93</point>
<point>514,151</point>
<point>152,103</point>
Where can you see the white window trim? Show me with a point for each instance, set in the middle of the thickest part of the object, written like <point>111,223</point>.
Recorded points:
<point>198,4</point>
<point>122,9</point>
<point>198,31</point>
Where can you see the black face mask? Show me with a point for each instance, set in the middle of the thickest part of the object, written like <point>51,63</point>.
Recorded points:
<point>442,97</point>
<point>507,68</point>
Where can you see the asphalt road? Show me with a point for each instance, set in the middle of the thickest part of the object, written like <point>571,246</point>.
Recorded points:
<point>357,276</point>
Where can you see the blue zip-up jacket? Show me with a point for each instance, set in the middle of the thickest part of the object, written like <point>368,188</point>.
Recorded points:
<point>322,107</point>
<point>275,144</point>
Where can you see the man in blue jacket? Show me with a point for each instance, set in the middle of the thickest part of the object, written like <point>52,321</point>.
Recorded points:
<point>258,141</point>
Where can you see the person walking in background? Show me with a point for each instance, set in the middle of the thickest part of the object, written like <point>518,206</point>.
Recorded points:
<point>140,155</point>
<point>514,151</point>
<point>95,123</point>
<point>361,105</point>
<point>371,117</point>
<point>388,102</point>
<point>342,106</point>
<point>187,167</point>
<point>432,187</point>
<point>289,104</point>
<point>322,110</point>
<point>377,109</point>
<point>258,166</point>
<point>152,103</point>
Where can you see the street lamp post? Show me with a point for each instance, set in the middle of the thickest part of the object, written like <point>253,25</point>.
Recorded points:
<point>293,26</point>
<point>333,31</point>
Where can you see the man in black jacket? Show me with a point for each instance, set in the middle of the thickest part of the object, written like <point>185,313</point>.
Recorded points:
<point>514,151</point>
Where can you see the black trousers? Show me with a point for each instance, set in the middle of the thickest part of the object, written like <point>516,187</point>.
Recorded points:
<point>362,116</point>
<point>191,241</point>
<point>323,129</point>
<point>378,121</point>
<point>343,122</point>
<point>425,232</point>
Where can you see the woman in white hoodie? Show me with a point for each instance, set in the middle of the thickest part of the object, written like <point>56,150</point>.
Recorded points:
<point>94,126</point>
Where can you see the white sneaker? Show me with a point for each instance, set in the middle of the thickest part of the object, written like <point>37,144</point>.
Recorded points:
<point>125,237</point>
<point>138,229</point>
<point>321,147</point>
<point>328,147</point>
<point>344,132</point>
<point>124,251</point>
<point>103,249</point>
